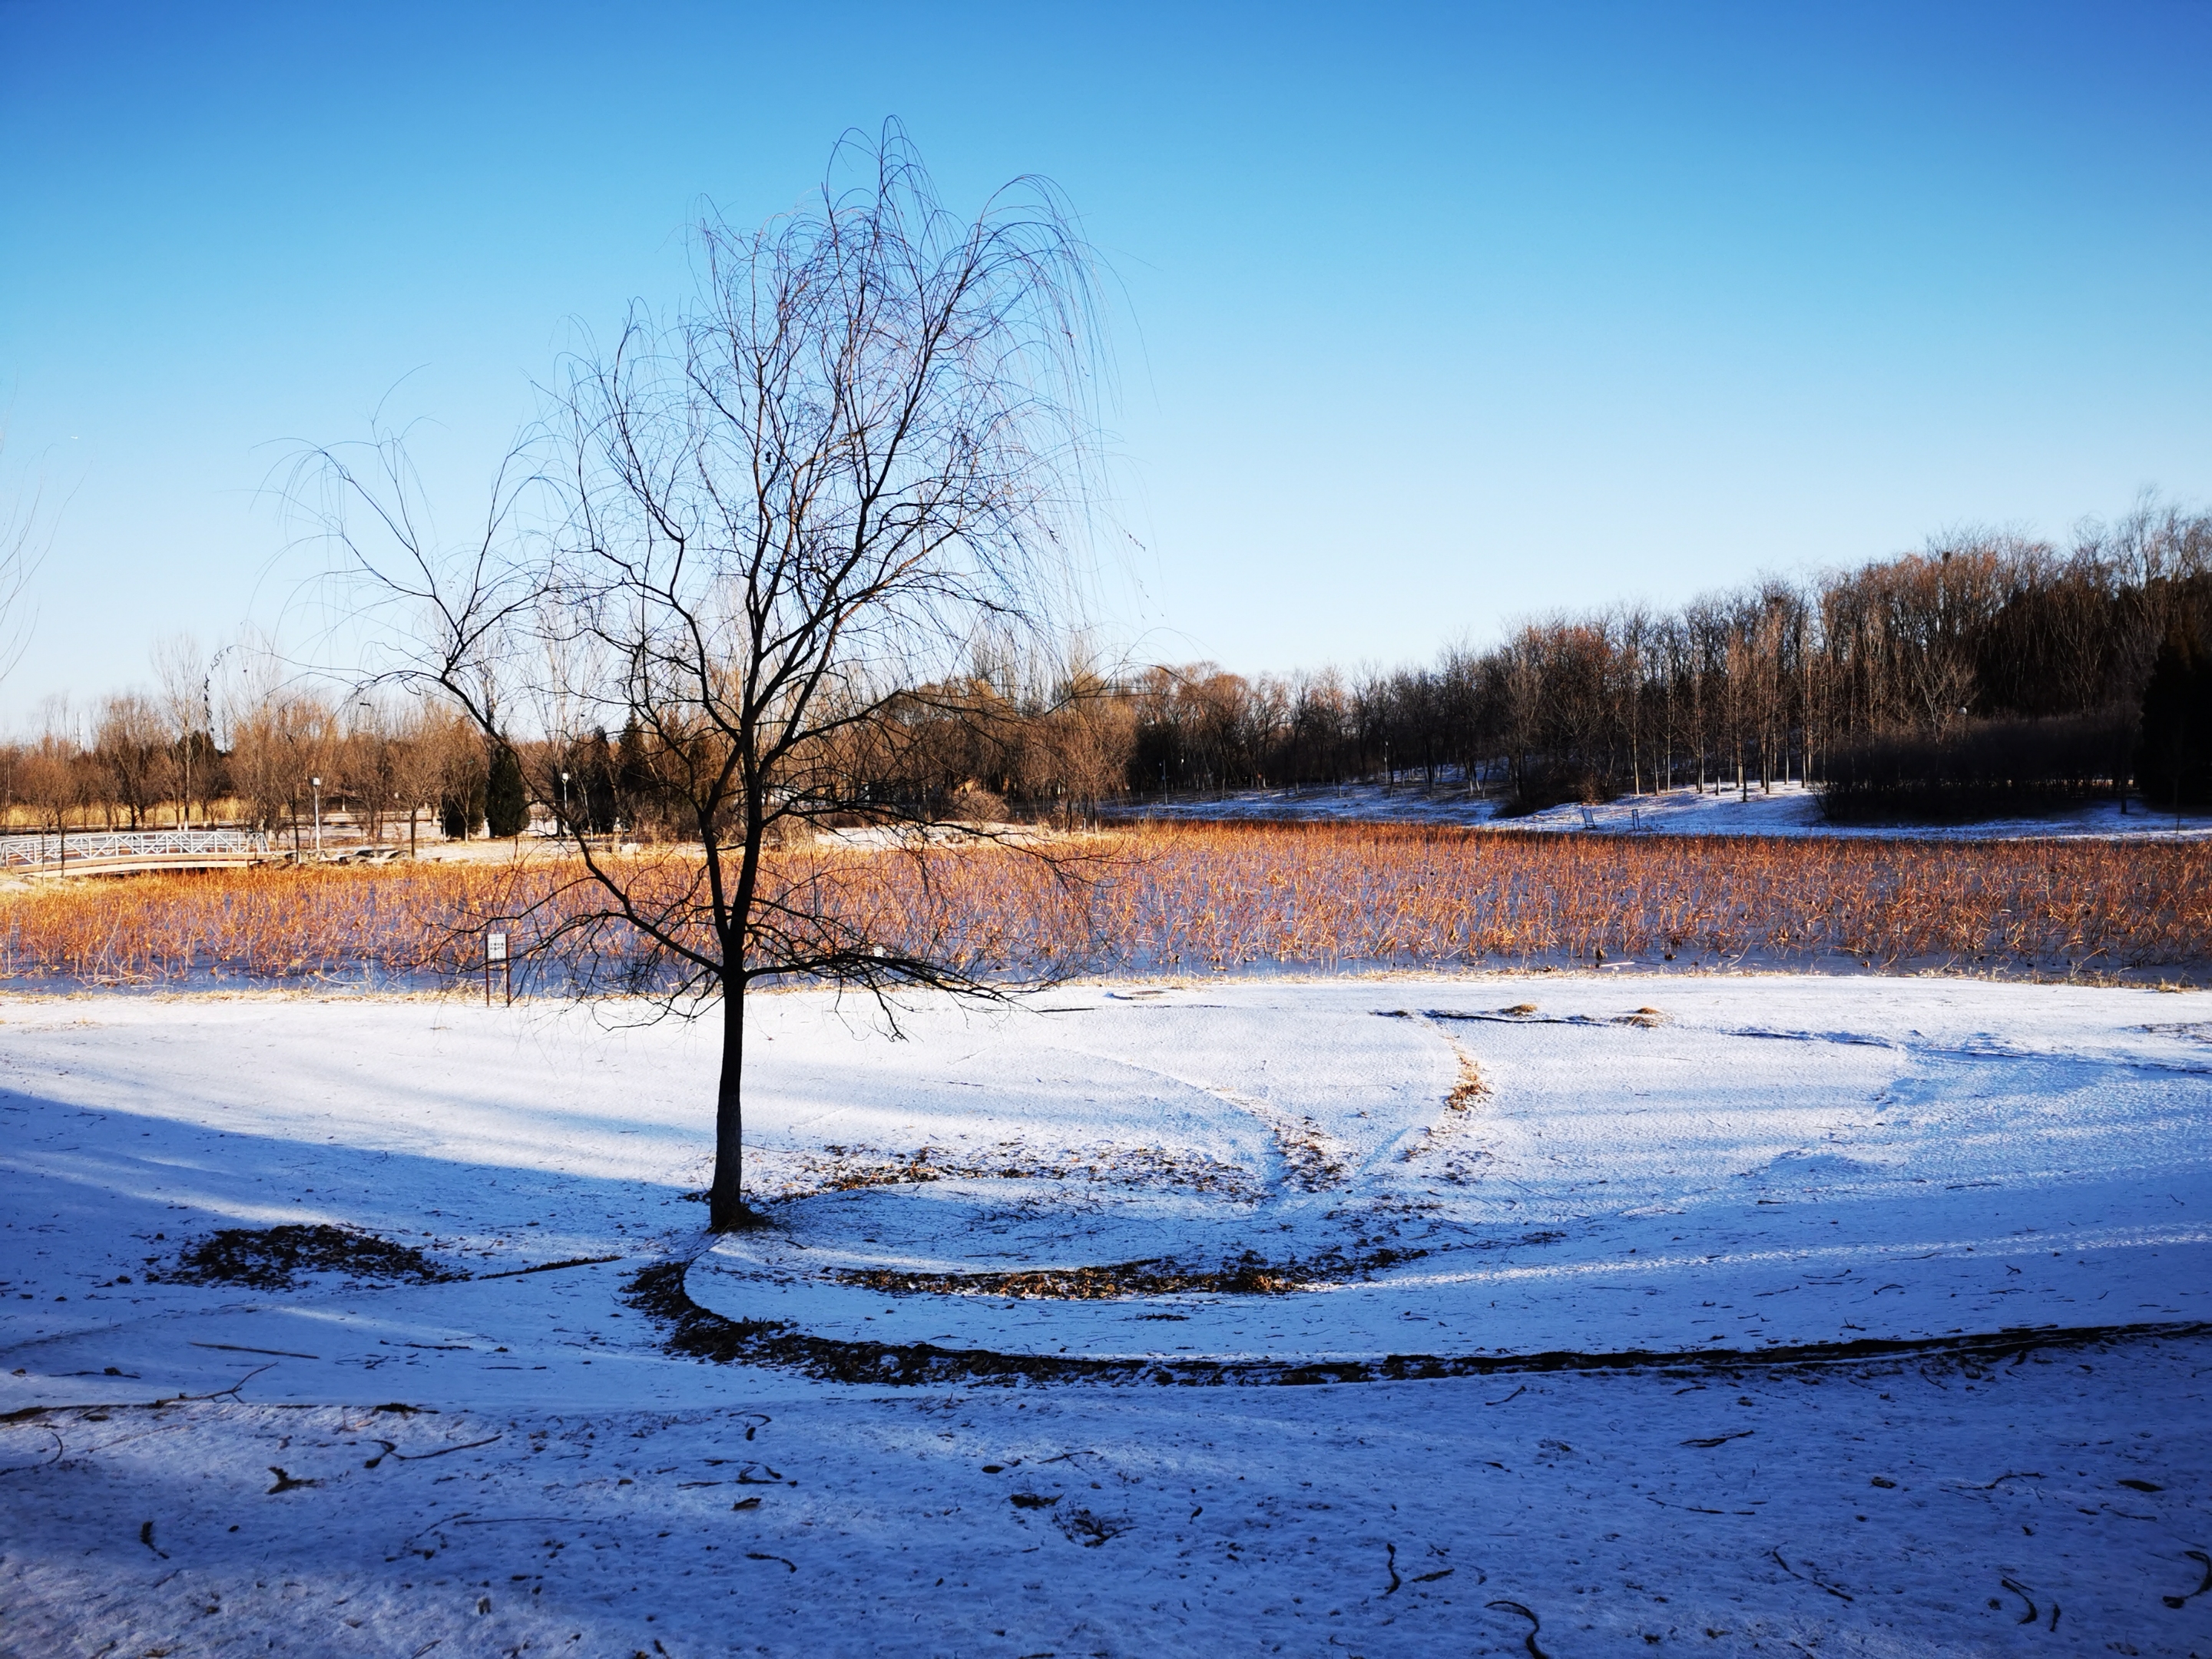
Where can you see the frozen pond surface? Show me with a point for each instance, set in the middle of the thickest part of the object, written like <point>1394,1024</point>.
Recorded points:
<point>1820,1160</point>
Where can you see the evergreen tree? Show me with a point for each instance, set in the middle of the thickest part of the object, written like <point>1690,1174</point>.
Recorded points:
<point>506,802</point>
<point>599,784</point>
<point>635,785</point>
<point>2174,764</point>
<point>460,814</point>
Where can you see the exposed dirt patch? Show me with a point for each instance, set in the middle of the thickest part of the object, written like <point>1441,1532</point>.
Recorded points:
<point>1313,1161</point>
<point>849,1169</point>
<point>1526,1013</point>
<point>1245,1275</point>
<point>268,1258</point>
<point>1090,1530</point>
<point>1472,1088</point>
<point>1462,1164</point>
<point>1456,1166</point>
<point>659,1293</point>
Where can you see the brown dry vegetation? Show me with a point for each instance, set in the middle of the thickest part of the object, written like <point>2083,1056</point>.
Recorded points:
<point>1218,897</point>
<point>1245,1275</point>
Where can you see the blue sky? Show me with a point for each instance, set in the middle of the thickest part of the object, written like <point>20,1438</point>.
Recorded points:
<point>1430,317</point>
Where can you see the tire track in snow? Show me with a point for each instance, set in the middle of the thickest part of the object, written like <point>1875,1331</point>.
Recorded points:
<point>1311,1159</point>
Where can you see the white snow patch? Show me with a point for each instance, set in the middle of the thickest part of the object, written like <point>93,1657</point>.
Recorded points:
<point>1816,1158</point>
<point>1786,809</point>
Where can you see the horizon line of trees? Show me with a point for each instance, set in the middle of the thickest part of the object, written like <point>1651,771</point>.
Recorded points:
<point>1988,671</point>
<point>140,759</point>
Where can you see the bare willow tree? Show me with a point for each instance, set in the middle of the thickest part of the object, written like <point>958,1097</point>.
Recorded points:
<point>753,538</point>
<point>24,532</point>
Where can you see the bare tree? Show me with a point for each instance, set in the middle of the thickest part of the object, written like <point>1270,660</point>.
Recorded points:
<point>131,743</point>
<point>23,529</point>
<point>413,763</point>
<point>53,776</point>
<point>183,702</point>
<point>778,520</point>
<point>281,737</point>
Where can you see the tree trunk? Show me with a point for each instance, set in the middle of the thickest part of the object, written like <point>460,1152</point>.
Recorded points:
<point>726,1205</point>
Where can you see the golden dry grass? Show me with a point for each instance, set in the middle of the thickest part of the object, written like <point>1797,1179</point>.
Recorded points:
<point>1344,895</point>
<point>1223,898</point>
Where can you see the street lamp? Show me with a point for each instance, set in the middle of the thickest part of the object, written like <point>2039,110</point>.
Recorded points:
<point>207,718</point>
<point>564,800</point>
<point>317,784</point>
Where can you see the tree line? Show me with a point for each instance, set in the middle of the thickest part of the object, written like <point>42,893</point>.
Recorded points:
<point>264,761</point>
<point>1990,670</point>
<point>1987,672</point>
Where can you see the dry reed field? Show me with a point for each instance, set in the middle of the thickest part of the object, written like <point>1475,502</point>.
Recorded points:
<point>1216,898</point>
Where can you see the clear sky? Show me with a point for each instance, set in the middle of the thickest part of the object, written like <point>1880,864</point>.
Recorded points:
<point>1431,317</point>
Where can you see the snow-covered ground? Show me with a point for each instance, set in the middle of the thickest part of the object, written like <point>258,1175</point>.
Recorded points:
<point>1598,1200</point>
<point>1788,809</point>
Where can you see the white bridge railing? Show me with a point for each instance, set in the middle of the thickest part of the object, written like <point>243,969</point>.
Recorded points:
<point>46,852</point>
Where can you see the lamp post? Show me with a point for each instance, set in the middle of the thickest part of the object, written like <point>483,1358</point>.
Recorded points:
<point>317,785</point>
<point>564,800</point>
<point>207,717</point>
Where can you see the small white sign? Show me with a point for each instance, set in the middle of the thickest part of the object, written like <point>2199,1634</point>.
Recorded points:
<point>495,947</point>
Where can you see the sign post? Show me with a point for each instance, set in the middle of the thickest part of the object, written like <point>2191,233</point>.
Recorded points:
<point>496,951</point>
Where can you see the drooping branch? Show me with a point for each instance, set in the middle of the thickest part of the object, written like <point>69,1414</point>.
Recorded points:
<point>754,539</point>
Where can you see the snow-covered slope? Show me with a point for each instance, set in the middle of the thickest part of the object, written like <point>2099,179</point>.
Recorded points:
<point>1754,1165</point>
<point>1785,809</point>
<point>1820,1160</point>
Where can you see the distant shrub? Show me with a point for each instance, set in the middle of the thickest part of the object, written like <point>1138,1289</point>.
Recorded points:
<point>973,804</point>
<point>2174,757</point>
<point>1988,768</point>
<point>1556,784</point>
